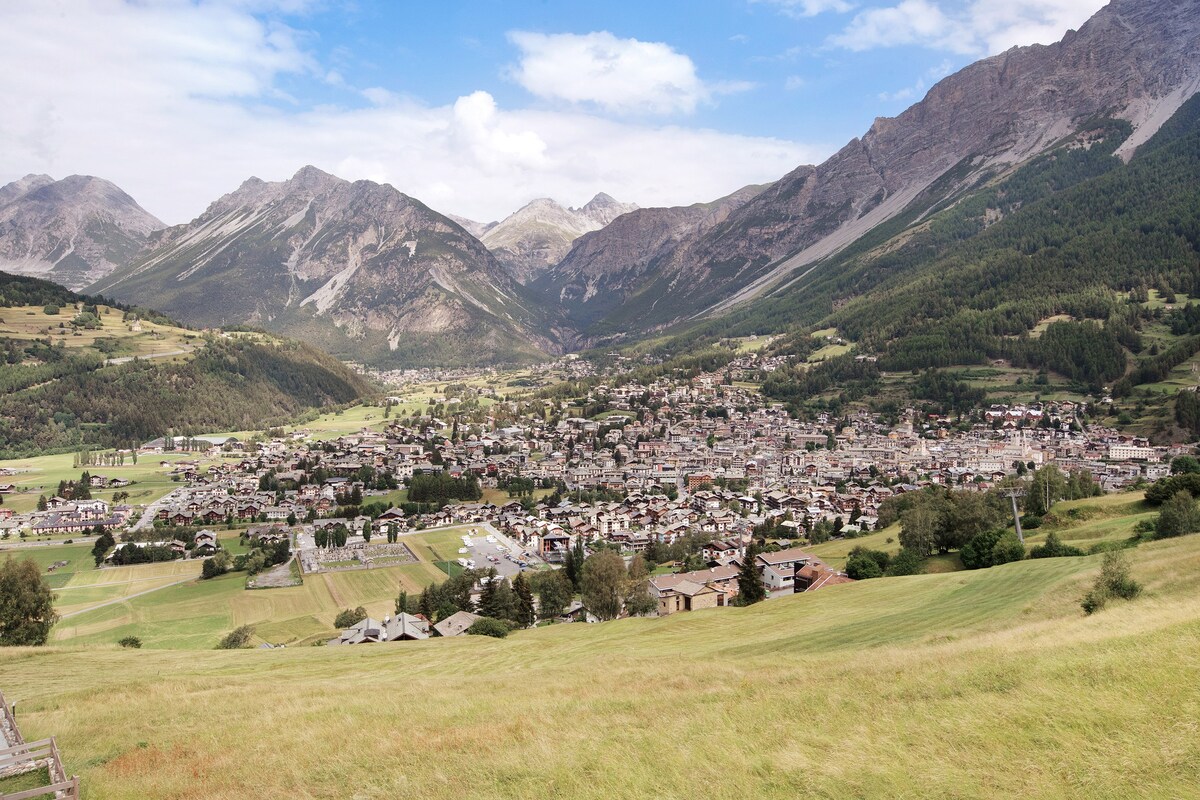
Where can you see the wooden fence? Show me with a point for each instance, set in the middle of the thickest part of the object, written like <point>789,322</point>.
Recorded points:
<point>9,732</point>
<point>21,756</point>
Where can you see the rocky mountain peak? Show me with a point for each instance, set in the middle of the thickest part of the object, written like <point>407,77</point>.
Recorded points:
<point>13,190</point>
<point>72,231</point>
<point>538,235</point>
<point>358,268</point>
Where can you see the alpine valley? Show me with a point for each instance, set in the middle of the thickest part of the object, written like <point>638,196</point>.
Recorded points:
<point>875,479</point>
<point>370,274</point>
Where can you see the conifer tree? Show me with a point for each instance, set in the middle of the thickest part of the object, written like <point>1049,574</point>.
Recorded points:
<point>525,616</point>
<point>750,585</point>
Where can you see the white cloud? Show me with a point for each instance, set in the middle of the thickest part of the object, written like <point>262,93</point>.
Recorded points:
<point>908,93</point>
<point>170,102</point>
<point>794,82</point>
<point>809,8</point>
<point>625,76</point>
<point>982,27</point>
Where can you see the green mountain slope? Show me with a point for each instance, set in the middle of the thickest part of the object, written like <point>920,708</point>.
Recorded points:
<point>1076,235</point>
<point>955,685</point>
<point>80,373</point>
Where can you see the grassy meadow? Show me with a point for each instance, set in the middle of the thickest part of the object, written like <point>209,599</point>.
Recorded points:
<point>976,684</point>
<point>167,606</point>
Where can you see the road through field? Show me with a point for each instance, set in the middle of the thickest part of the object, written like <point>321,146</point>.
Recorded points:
<point>127,597</point>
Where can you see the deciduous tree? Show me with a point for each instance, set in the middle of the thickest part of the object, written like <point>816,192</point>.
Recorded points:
<point>26,604</point>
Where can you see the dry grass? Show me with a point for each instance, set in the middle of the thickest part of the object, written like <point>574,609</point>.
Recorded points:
<point>981,684</point>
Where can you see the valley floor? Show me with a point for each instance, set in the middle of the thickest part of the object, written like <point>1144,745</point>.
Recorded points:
<point>969,684</point>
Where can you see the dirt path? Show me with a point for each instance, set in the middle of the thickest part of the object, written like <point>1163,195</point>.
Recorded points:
<point>333,592</point>
<point>127,598</point>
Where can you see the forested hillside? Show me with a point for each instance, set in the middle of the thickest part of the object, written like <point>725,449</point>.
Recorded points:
<point>58,389</point>
<point>1076,237</point>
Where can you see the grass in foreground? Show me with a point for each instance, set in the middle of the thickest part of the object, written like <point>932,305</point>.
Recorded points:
<point>976,684</point>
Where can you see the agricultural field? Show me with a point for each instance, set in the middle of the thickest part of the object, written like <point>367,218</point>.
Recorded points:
<point>972,684</point>
<point>40,475</point>
<point>125,339</point>
<point>197,613</point>
<point>167,606</point>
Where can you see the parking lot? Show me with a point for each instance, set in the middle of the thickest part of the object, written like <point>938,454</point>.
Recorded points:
<point>498,553</point>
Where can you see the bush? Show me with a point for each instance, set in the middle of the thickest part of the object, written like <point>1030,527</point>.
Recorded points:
<point>350,617</point>
<point>865,563</point>
<point>1007,549</point>
<point>906,562</point>
<point>487,626</point>
<point>977,553</point>
<point>237,638</point>
<point>1179,516</point>
<point>132,642</point>
<point>215,566</point>
<point>861,567</point>
<point>1114,581</point>
<point>1054,548</point>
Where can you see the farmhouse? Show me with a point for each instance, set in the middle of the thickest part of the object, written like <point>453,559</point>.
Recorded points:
<point>402,627</point>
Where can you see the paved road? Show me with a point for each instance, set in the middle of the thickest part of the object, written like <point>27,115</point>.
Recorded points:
<point>147,519</point>
<point>128,597</point>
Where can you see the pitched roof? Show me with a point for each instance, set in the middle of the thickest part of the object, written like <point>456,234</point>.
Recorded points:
<point>456,624</point>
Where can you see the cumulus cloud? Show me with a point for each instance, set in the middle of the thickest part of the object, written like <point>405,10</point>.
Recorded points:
<point>809,8</point>
<point>625,76</point>
<point>982,27</point>
<point>178,103</point>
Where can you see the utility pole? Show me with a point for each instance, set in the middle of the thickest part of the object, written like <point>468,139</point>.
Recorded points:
<point>1012,495</point>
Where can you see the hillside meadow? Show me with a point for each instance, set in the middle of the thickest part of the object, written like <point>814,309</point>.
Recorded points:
<point>969,684</point>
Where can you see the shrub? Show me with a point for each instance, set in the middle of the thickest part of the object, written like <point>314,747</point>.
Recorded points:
<point>906,562</point>
<point>237,638</point>
<point>977,553</point>
<point>1007,549</point>
<point>861,567</point>
<point>865,563</point>
<point>132,642</point>
<point>1114,581</point>
<point>215,566</point>
<point>1178,516</point>
<point>487,626</point>
<point>1054,548</point>
<point>350,617</point>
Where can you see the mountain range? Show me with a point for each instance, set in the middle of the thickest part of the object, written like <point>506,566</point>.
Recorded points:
<point>536,237</point>
<point>73,231</point>
<point>374,275</point>
<point>359,268</point>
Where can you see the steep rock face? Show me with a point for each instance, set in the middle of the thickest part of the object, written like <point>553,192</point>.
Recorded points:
<point>1134,59</point>
<point>73,232</point>
<point>359,268</point>
<point>535,238</point>
<point>604,267</point>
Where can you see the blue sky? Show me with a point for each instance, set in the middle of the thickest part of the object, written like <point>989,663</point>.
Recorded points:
<point>475,107</point>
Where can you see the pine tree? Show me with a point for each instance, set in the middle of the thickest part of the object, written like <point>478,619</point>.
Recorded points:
<point>402,603</point>
<point>750,586</point>
<point>525,616</point>
<point>425,604</point>
<point>573,565</point>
